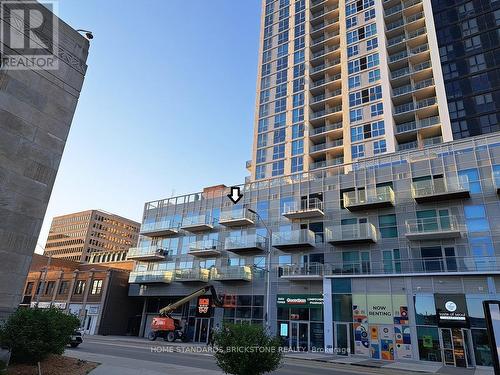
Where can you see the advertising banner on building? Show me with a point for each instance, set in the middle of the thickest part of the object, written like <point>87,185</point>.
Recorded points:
<point>402,337</point>
<point>451,310</point>
<point>379,309</point>
<point>300,300</point>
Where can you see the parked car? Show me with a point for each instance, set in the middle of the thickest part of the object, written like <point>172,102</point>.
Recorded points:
<point>76,338</point>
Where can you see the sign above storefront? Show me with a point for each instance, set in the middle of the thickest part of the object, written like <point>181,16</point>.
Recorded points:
<point>300,300</point>
<point>204,307</point>
<point>451,310</point>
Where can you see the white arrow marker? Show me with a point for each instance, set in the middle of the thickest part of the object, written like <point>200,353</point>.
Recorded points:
<point>235,194</point>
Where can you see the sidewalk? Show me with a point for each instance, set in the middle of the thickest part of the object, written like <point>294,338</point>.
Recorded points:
<point>407,365</point>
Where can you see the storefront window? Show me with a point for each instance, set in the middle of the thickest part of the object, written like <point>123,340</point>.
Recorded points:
<point>425,310</point>
<point>317,335</point>
<point>342,307</point>
<point>428,344</point>
<point>341,285</point>
<point>475,310</point>
<point>299,314</point>
<point>283,313</point>
<point>243,312</point>
<point>316,315</point>
<point>481,347</point>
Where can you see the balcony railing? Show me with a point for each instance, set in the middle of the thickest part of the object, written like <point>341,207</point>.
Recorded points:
<point>369,198</point>
<point>408,146</point>
<point>146,277</point>
<point>147,253</point>
<point>205,248</point>
<point>431,228</point>
<point>351,234</point>
<point>197,223</point>
<point>418,266</point>
<point>162,228</point>
<point>326,112</point>
<point>192,275</point>
<point>327,145</point>
<point>326,128</point>
<point>309,271</point>
<point>294,240</point>
<point>426,142</point>
<point>418,124</point>
<point>246,243</point>
<point>237,218</point>
<point>231,273</point>
<point>303,209</point>
<point>327,163</point>
<point>442,188</point>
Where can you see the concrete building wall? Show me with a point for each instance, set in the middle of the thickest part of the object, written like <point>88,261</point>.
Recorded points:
<point>36,110</point>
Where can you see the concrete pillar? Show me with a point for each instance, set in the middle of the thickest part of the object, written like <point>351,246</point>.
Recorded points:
<point>328,315</point>
<point>88,285</point>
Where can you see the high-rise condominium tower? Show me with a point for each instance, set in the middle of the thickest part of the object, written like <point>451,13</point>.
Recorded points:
<point>344,80</point>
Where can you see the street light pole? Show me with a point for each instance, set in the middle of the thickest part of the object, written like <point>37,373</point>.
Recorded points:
<point>268,267</point>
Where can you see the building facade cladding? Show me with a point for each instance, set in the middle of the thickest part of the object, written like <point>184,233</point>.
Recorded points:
<point>469,46</point>
<point>340,81</point>
<point>379,224</point>
<point>36,111</point>
<point>79,235</point>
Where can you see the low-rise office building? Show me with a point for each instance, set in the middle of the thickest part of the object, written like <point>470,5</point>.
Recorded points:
<point>96,294</point>
<point>387,258</point>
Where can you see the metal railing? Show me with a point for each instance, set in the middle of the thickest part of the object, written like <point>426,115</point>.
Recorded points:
<point>159,225</point>
<point>407,146</point>
<point>245,242</point>
<point>231,273</point>
<point>192,274</point>
<point>432,225</point>
<point>147,251</point>
<point>302,205</point>
<point>326,112</point>
<point>150,277</point>
<point>309,269</point>
<point>327,163</point>
<point>326,128</point>
<point>426,142</point>
<point>196,220</point>
<point>418,124</point>
<point>417,265</point>
<point>496,179</point>
<point>205,245</point>
<point>441,185</point>
<point>369,196</point>
<point>294,237</point>
<point>327,145</point>
<point>328,95</point>
<point>236,214</point>
<point>351,232</point>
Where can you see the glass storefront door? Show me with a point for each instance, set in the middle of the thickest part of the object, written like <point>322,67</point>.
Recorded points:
<point>342,339</point>
<point>202,330</point>
<point>299,336</point>
<point>455,346</point>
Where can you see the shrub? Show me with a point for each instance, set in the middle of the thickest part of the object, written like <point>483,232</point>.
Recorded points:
<point>33,334</point>
<point>244,349</point>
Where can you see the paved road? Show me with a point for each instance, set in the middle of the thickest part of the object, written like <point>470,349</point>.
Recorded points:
<point>128,357</point>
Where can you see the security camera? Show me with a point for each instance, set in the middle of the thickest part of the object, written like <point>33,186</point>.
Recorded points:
<point>88,34</point>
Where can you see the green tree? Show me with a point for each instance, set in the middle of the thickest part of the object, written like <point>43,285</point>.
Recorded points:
<point>244,349</point>
<point>33,334</point>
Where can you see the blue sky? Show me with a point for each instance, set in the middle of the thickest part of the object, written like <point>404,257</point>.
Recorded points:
<point>167,104</point>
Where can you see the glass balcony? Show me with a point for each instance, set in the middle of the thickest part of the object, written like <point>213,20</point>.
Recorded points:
<point>246,244</point>
<point>192,275</point>
<point>205,248</point>
<point>351,234</point>
<point>369,198</point>
<point>306,272</point>
<point>458,265</point>
<point>432,228</point>
<point>163,228</point>
<point>294,240</point>
<point>442,188</point>
<point>496,180</point>
<point>304,209</point>
<point>231,273</point>
<point>197,223</point>
<point>237,218</point>
<point>147,253</point>
<point>147,277</point>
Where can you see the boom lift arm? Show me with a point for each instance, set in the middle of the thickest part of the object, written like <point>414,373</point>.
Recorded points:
<point>173,306</point>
